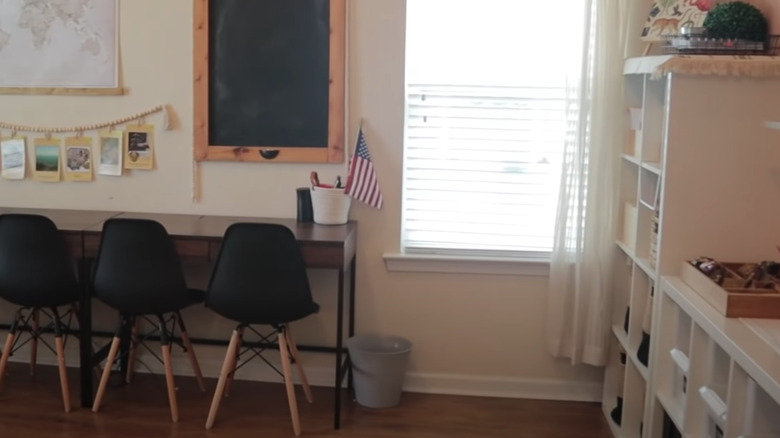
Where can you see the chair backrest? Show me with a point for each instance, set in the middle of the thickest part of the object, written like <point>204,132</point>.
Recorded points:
<point>260,276</point>
<point>35,266</point>
<point>137,270</point>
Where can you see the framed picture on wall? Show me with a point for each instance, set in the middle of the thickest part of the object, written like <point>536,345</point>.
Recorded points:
<point>666,17</point>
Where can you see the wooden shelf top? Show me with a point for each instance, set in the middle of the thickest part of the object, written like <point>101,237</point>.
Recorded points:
<point>704,65</point>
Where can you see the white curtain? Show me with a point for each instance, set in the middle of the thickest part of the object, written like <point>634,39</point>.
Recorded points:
<point>580,274</point>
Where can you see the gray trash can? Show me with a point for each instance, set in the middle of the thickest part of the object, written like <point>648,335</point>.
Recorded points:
<point>378,368</point>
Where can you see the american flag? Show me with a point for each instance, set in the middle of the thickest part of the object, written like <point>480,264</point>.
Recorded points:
<point>361,181</point>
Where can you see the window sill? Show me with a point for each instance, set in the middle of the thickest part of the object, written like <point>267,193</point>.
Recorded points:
<point>395,262</point>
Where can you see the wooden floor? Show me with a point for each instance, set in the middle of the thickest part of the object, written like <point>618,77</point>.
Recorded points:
<point>31,407</point>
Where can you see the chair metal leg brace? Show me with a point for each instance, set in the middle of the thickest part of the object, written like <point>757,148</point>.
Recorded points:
<point>34,342</point>
<point>135,324</point>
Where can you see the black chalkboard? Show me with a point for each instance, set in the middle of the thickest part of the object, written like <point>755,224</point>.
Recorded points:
<point>270,77</point>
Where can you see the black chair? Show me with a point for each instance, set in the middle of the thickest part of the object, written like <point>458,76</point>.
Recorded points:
<point>139,274</point>
<point>38,275</point>
<point>260,279</point>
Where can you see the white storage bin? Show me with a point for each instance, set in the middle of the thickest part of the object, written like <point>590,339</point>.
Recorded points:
<point>330,206</point>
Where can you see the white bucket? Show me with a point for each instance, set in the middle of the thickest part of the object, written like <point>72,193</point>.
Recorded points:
<point>330,206</point>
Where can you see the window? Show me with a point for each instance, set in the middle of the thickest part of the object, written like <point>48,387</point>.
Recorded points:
<point>485,124</point>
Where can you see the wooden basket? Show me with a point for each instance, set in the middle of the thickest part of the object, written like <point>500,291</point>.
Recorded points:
<point>732,299</point>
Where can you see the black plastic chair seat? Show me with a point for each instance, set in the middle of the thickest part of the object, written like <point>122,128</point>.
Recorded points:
<point>35,266</point>
<point>270,313</point>
<point>46,299</point>
<point>155,307</point>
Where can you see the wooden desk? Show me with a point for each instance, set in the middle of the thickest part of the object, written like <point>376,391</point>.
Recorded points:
<point>200,237</point>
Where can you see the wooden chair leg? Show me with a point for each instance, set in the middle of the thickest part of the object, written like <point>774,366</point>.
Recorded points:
<point>232,374</point>
<point>191,354</point>
<point>133,345</point>
<point>63,372</point>
<point>106,373</point>
<point>166,354</point>
<point>227,368</point>
<point>9,343</point>
<point>298,363</point>
<point>34,341</point>
<point>288,383</point>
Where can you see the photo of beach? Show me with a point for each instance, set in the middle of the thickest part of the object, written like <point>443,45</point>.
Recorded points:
<point>47,158</point>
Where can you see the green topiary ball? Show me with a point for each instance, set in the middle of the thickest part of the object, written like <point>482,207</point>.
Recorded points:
<point>736,20</point>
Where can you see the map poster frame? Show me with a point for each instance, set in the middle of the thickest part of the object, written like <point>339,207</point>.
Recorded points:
<point>22,7</point>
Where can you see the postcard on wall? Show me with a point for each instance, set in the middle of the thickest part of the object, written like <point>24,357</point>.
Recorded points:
<point>668,16</point>
<point>13,157</point>
<point>47,159</point>
<point>78,159</point>
<point>111,153</point>
<point>139,153</point>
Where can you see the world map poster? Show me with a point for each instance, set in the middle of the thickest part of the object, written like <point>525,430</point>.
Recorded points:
<point>58,43</point>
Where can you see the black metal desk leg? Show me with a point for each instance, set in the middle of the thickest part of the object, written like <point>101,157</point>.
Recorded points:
<point>352,269</point>
<point>85,334</point>
<point>339,354</point>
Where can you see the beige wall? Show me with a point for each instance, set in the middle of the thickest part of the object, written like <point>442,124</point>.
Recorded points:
<point>469,331</point>
<point>770,8</point>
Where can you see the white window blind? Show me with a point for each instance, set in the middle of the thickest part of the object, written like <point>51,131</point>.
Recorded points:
<point>482,168</point>
<point>485,127</point>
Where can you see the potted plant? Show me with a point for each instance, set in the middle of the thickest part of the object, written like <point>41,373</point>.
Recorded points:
<point>736,20</point>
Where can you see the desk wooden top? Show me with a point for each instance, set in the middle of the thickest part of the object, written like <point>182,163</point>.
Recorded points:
<point>325,246</point>
<point>66,220</point>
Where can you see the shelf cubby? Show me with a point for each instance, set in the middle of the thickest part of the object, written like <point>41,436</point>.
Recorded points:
<point>754,413</point>
<point>673,364</point>
<point>614,384</point>
<point>633,401</point>
<point>653,120</point>
<point>624,271</point>
<point>640,298</point>
<point>649,185</point>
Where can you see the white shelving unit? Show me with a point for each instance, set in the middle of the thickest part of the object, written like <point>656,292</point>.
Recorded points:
<point>701,168</point>
<point>733,378</point>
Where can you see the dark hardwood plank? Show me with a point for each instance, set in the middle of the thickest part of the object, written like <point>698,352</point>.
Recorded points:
<point>31,407</point>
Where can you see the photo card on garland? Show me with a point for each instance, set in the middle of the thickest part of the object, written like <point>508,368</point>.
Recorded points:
<point>78,159</point>
<point>47,159</point>
<point>111,153</point>
<point>139,147</point>
<point>13,155</point>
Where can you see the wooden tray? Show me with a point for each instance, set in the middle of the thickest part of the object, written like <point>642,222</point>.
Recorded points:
<point>731,299</point>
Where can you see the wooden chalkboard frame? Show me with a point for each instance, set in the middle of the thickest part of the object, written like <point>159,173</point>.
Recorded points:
<point>333,152</point>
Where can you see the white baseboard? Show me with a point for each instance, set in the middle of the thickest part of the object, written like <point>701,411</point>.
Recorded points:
<point>505,387</point>
<point>210,362</point>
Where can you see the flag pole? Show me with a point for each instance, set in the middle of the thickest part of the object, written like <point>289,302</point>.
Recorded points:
<point>360,128</point>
